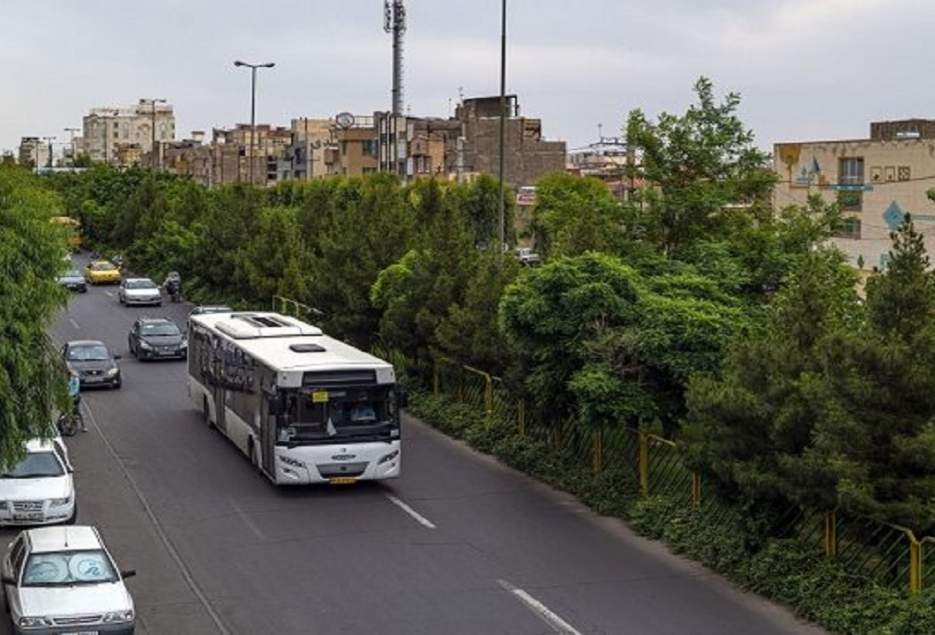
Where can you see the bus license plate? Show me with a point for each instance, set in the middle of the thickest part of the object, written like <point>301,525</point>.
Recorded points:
<point>343,480</point>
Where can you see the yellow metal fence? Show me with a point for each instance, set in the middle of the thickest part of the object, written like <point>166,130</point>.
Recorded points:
<point>888,554</point>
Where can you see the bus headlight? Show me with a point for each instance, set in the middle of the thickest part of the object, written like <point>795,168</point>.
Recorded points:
<point>290,461</point>
<point>389,457</point>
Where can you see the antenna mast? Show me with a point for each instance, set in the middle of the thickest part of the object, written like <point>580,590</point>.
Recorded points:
<point>394,21</point>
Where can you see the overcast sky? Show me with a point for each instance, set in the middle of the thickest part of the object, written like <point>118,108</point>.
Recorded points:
<point>807,69</point>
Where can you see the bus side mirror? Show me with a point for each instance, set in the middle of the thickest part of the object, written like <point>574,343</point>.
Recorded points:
<point>276,407</point>
<point>402,399</point>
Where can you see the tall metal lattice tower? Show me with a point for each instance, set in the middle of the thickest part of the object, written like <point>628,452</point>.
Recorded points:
<point>394,21</point>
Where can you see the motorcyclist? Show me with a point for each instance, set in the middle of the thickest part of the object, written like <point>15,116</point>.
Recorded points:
<point>173,285</point>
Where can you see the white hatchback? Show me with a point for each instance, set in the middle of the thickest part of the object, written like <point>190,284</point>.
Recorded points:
<point>61,580</point>
<point>39,490</point>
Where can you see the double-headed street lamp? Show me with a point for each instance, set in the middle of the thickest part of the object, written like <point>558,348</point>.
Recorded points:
<point>74,150</point>
<point>48,140</point>
<point>153,102</point>
<point>253,68</point>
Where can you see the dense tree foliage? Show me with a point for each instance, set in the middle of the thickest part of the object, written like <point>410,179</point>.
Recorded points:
<point>32,380</point>
<point>832,402</point>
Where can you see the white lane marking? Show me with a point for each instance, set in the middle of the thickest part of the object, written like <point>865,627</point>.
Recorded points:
<point>246,519</point>
<point>158,528</point>
<point>419,518</point>
<point>556,623</point>
<point>73,323</point>
<point>109,294</point>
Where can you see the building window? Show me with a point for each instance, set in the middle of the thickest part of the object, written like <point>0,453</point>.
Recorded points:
<point>851,171</point>
<point>369,147</point>
<point>850,228</point>
<point>851,200</point>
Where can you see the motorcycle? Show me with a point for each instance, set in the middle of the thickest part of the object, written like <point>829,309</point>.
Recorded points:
<point>70,423</point>
<point>175,292</point>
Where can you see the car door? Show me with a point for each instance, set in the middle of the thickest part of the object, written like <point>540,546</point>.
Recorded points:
<point>12,567</point>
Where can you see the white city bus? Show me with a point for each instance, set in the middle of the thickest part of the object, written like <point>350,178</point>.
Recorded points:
<point>304,407</point>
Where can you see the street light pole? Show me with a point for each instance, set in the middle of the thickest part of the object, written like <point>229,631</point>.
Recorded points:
<point>253,68</point>
<point>74,149</point>
<point>500,201</point>
<point>49,140</point>
<point>152,103</point>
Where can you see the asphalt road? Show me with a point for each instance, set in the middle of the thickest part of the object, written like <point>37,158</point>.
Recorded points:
<point>459,544</point>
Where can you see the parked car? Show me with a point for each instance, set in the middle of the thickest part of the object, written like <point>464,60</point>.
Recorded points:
<point>102,272</point>
<point>527,256</point>
<point>64,580</point>
<point>216,308</point>
<point>157,338</point>
<point>73,280</point>
<point>39,490</point>
<point>139,291</point>
<point>94,363</point>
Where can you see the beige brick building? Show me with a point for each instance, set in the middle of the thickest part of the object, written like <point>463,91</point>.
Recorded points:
<point>876,180</point>
<point>109,133</point>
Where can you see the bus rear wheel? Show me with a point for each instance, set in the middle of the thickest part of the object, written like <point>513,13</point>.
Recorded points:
<point>206,412</point>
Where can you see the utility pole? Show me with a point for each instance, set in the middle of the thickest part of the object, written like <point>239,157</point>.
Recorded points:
<point>501,202</point>
<point>152,102</point>
<point>253,68</point>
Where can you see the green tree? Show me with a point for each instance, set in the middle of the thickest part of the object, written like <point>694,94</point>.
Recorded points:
<point>574,215</point>
<point>415,294</point>
<point>701,168</point>
<point>32,381</point>
<point>752,425</point>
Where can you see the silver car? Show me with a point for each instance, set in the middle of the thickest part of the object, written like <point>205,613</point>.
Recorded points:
<point>139,291</point>
<point>61,580</point>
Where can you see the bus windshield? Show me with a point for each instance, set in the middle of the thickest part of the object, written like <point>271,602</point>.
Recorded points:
<point>321,415</point>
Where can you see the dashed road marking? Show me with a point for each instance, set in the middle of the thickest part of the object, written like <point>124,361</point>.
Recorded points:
<point>246,520</point>
<point>556,623</point>
<point>73,323</point>
<point>109,294</point>
<point>419,518</point>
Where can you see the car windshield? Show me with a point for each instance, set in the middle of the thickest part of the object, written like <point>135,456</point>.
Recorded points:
<point>88,353</point>
<point>36,465</point>
<point>68,568</point>
<point>161,328</point>
<point>141,284</point>
<point>72,273</point>
<point>102,266</point>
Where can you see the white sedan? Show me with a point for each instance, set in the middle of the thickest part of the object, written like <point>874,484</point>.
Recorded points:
<point>60,580</point>
<point>139,291</point>
<point>39,490</point>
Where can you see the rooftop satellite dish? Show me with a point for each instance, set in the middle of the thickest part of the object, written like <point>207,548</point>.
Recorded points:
<point>344,120</point>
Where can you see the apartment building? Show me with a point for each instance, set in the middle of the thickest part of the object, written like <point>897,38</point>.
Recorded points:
<point>877,181</point>
<point>33,152</point>
<point>468,144</point>
<point>118,135</point>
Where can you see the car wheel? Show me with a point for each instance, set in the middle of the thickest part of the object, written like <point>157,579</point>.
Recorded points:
<point>118,384</point>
